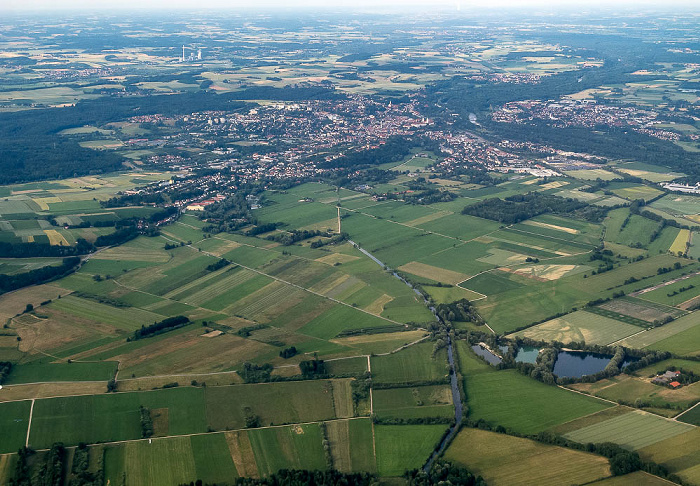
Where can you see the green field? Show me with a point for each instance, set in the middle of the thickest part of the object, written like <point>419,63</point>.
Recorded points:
<point>414,402</point>
<point>76,371</point>
<point>14,419</point>
<point>691,417</point>
<point>413,364</point>
<point>502,459</point>
<point>520,403</point>
<point>405,447</point>
<point>681,336</point>
<point>351,443</point>
<point>632,430</point>
<point>101,418</point>
<point>297,447</point>
<point>273,403</point>
<point>679,454</point>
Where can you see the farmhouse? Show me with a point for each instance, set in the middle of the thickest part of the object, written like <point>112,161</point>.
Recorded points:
<point>667,377</point>
<point>674,384</point>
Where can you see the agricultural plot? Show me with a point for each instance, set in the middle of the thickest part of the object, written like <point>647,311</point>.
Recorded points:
<point>162,461</point>
<point>527,406</point>
<point>692,416</point>
<point>351,445</point>
<point>503,460</point>
<point>679,454</point>
<point>341,318</point>
<point>128,318</point>
<point>272,403</point>
<point>681,336</point>
<point>633,430</point>
<point>294,447</point>
<point>402,448</point>
<point>413,364</point>
<point>101,418</point>
<point>580,326</point>
<point>415,402</point>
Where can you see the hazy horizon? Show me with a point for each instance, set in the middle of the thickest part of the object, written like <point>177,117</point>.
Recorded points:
<point>364,5</point>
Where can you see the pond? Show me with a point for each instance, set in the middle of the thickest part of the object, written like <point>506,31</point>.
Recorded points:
<point>575,364</point>
<point>527,354</point>
<point>487,355</point>
<point>628,361</point>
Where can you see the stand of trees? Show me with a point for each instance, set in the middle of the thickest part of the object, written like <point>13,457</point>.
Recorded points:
<point>443,472</point>
<point>158,327</point>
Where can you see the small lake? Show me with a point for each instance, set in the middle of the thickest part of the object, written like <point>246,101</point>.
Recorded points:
<point>527,354</point>
<point>575,364</point>
<point>487,355</point>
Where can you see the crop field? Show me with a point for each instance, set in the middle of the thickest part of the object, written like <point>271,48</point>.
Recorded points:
<point>505,460</point>
<point>638,478</point>
<point>412,364</point>
<point>632,430</point>
<point>527,406</point>
<point>580,326</point>
<point>680,336</point>
<point>405,447</point>
<point>639,309</point>
<point>348,441</point>
<point>679,454</point>
<point>273,403</point>
<point>423,401</point>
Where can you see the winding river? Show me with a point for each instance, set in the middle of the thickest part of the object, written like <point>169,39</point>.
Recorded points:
<point>456,396</point>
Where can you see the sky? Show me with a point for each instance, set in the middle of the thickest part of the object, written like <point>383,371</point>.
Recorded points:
<point>43,5</point>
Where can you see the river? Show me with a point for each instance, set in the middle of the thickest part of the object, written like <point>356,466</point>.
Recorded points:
<point>456,396</point>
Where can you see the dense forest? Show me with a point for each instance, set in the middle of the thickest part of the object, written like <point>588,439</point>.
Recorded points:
<point>32,149</point>
<point>520,207</point>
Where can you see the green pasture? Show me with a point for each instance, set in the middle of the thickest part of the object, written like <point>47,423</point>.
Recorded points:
<point>412,364</point>
<point>402,448</point>
<point>520,403</point>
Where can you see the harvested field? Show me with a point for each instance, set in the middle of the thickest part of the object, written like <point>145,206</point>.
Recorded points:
<point>580,326</point>
<point>633,430</point>
<point>242,453</point>
<point>505,460</point>
<point>434,273</point>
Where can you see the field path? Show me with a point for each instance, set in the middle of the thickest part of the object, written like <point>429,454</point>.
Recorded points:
<point>29,425</point>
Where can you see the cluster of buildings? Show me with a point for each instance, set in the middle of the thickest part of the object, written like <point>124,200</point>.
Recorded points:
<point>669,378</point>
<point>584,113</point>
